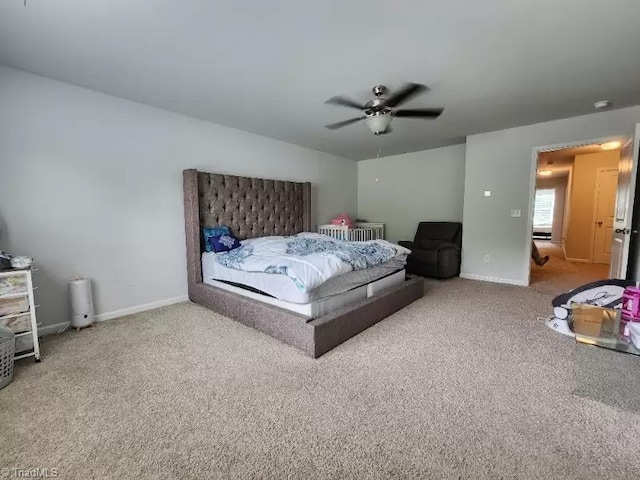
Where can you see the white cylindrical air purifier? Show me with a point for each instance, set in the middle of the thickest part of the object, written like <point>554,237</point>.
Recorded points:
<point>81,303</point>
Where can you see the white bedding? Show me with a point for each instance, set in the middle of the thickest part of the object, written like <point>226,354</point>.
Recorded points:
<point>309,260</point>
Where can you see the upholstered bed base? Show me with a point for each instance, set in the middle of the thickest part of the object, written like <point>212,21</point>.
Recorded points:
<point>313,337</point>
<point>254,208</point>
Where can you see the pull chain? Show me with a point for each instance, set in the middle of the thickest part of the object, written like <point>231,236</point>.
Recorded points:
<point>379,143</point>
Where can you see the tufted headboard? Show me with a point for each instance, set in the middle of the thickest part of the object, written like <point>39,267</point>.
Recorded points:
<point>252,207</point>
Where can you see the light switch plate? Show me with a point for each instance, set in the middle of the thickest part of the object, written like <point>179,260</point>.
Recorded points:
<point>516,213</point>
<point>487,193</point>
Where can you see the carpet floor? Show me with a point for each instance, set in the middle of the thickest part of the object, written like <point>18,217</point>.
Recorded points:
<point>464,383</point>
<point>559,275</point>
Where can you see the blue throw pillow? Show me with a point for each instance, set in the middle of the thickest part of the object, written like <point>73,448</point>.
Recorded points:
<point>209,232</point>
<point>223,243</point>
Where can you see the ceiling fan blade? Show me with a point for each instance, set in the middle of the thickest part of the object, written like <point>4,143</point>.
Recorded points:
<point>419,112</point>
<point>344,123</point>
<point>406,93</point>
<point>345,102</point>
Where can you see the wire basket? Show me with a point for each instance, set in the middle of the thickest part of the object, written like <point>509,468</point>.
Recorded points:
<point>7,354</point>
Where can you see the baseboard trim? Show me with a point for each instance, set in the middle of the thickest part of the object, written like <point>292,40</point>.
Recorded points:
<point>577,260</point>
<point>63,326</point>
<point>483,278</point>
<point>574,260</point>
<point>140,308</point>
<point>53,328</point>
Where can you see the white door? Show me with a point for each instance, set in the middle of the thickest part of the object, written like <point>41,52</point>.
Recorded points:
<point>604,209</point>
<point>627,170</point>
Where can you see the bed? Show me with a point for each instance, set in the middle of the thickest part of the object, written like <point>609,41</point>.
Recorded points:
<point>281,287</point>
<point>256,208</point>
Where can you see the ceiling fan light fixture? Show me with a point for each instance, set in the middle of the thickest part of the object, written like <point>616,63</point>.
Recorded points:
<point>378,122</point>
<point>379,112</point>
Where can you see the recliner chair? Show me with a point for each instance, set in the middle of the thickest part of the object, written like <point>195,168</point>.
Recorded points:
<point>435,250</point>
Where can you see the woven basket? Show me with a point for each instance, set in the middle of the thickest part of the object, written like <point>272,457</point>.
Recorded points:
<point>7,354</point>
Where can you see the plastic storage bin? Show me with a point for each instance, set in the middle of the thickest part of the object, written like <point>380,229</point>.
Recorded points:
<point>11,306</point>
<point>7,354</point>
<point>13,284</point>
<point>17,323</point>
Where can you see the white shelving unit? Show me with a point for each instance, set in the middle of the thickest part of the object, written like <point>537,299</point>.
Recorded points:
<point>18,308</point>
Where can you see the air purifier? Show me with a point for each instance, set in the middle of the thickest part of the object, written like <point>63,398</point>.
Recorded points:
<point>81,303</point>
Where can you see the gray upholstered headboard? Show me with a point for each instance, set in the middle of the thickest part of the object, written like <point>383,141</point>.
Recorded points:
<point>252,207</point>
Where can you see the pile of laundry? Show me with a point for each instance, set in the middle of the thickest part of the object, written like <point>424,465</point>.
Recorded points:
<point>8,261</point>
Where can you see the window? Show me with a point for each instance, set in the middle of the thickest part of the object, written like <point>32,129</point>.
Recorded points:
<point>543,207</point>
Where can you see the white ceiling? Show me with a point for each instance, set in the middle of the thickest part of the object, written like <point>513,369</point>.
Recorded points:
<point>559,162</point>
<point>267,67</point>
<point>560,168</point>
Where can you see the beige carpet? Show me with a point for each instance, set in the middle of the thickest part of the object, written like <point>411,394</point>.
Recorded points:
<point>558,275</point>
<point>465,383</point>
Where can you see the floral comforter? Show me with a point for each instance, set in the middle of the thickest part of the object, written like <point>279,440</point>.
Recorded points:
<point>309,259</point>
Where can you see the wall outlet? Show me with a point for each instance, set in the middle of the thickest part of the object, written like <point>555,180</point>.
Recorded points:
<point>487,258</point>
<point>516,213</point>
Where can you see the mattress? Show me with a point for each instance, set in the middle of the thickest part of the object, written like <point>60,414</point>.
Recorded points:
<point>323,306</point>
<point>283,288</point>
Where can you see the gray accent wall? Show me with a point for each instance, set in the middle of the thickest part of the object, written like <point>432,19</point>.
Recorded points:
<point>502,162</point>
<point>403,190</point>
<point>91,185</point>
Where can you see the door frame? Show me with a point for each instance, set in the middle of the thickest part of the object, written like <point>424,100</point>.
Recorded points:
<point>599,170</point>
<point>536,151</point>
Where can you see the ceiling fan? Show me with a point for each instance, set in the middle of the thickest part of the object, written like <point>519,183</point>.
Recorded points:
<point>379,112</point>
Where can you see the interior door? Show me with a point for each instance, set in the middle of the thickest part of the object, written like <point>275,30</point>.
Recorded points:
<point>605,206</point>
<point>627,171</point>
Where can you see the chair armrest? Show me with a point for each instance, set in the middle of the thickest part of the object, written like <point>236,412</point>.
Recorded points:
<point>409,245</point>
<point>448,260</point>
<point>449,246</point>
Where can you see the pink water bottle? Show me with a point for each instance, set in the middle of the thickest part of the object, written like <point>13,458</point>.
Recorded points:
<point>631,304</point>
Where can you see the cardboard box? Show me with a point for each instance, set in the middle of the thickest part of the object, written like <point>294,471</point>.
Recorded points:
<point>594,321</point>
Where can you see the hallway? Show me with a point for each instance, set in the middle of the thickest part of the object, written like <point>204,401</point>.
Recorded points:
<point>558,275</point>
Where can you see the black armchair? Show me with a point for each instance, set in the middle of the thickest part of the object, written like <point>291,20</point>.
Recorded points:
<point>435,250</point>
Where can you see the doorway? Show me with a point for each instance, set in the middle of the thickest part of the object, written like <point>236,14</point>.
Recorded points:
<point>573,215</point>
<point>604,209</point>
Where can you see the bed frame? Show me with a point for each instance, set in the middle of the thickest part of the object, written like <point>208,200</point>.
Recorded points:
<point>255,207</point>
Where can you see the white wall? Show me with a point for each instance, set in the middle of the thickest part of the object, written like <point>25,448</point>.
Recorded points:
<point>502,162</point>
<point>413,187</point>
<point>91,185</point>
